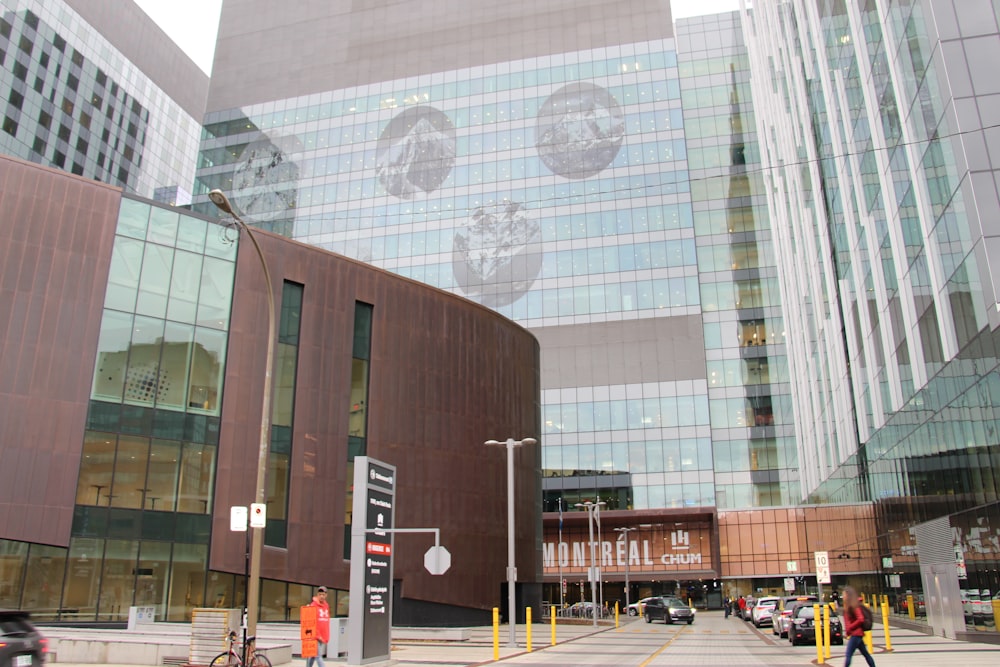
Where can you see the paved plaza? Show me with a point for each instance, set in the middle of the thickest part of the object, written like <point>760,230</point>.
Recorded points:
<point>712,641</point>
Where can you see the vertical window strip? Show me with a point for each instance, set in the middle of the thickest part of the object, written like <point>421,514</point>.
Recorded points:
<point>358,408</point>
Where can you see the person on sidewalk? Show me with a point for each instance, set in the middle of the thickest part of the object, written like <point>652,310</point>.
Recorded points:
<point>322,627</point>
<point>853,620</point>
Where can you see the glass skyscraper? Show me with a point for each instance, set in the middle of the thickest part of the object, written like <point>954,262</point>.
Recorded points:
<point>98,90</point>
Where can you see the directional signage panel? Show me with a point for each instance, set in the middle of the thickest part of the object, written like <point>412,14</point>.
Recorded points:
<point>371,562</point>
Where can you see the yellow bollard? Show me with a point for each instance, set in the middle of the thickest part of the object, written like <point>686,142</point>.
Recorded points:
<point>910,609</point>
<point>638,605</point>
<point>885,622</point>
<point>527,620</point>
<point>819,635</point>
<point>826,631</point>
<point>616,614</point>
<point>496,633</point>
<point>553,627</point>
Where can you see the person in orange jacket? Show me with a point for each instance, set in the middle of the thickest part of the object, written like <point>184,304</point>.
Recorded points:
<point>322,627</point>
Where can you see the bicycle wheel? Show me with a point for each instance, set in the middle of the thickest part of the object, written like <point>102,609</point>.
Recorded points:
<point>227,659</point>
<point>259,660</point>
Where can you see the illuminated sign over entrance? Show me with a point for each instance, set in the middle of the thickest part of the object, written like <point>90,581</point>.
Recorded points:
<point>667,548</point>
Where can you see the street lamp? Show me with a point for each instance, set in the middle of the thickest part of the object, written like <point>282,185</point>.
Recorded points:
<point>511,443</point>
<point>219,198</point>
<point>624,535</point>
<point>591,508</point>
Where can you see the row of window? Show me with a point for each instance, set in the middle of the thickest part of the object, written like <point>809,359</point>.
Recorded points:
<point>466,142</point>
<point>515,81</point>
<point>590,224</point>
<point>619,458</point>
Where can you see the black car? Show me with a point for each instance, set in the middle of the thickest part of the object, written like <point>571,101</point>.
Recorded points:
<point>668,609</point>
<point>21,645</point>
<point>803,631</point>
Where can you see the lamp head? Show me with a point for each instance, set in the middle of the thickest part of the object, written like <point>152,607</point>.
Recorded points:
<point>492,442</point>
<point>221,201</point>
<point>529,441</point>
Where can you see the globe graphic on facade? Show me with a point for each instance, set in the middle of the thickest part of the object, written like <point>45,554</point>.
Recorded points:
<point>579,130</point>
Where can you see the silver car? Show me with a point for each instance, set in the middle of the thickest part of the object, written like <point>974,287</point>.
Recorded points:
<point>760,615</point>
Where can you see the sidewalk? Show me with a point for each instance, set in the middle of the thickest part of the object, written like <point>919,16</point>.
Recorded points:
<point>426,651</point>
<point>911,648</point>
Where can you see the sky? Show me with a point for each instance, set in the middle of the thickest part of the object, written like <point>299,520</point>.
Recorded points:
<point>193,24</point>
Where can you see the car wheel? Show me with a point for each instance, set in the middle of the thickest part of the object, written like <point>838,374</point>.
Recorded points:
<point>690,621</point>
<point>649,619</point>
<point>632,612</point>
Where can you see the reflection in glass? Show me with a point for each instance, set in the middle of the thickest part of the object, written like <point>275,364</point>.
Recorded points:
<point>80,590</point>
<point>124,272</point>
<point>117,580</point>
<point>187,581</point>
<point>143,380</point>
<point>154,282</point>
<point>151,576</point>
<point>197,472</point>
<point>112,356</point>
<point>128,484</point>
<point>13,556</point>
<point>184,287</point>
<point>161,481</point>
<point>96,467</point>
<point>207,367</point>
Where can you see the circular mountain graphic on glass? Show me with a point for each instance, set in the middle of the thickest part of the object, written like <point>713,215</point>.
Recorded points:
<point>415,152</point>
<point>497,256</point>
<point>265,180</point>
<point>579,130</point>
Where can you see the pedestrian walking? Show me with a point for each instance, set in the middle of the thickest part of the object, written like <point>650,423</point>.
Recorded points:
<point>854,620</point>
<point>322,627</point>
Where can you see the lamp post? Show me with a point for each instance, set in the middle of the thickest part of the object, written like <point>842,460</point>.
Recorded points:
<point>591,507</point>
<point>219,198</point>
<point>624,535</point>
<point>511,443</point>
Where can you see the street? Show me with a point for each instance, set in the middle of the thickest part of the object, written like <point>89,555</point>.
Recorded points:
<point>712,641</point>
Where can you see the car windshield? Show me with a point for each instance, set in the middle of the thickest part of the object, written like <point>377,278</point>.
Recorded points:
<point>804,612</point>
<point>674,602</point>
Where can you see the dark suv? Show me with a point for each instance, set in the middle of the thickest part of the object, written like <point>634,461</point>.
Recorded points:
<point>21,645</point>
<point>668,609</point>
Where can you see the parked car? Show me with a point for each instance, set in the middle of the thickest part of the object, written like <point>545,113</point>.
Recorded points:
<point>21,645</point>
<point>782,617</point>
<point>748,609</point>
<point>803,629</point>
<point>668,609</point>
<point>762,610</point>
<point>633,609</point>
<point>919,607</point>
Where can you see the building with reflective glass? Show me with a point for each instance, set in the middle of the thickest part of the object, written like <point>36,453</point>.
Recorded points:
<point>97,89</point>
<point>132,355</point>
<point>596,185</point>
<point>678,212</point>
<point>881,180</point>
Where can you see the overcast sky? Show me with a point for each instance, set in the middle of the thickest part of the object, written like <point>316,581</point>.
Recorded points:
<point>193,24</point>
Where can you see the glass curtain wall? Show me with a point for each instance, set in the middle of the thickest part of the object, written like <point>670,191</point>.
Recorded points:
<point>144,495</point>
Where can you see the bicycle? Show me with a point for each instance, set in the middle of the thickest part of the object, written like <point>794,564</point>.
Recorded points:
<point>234,658</point>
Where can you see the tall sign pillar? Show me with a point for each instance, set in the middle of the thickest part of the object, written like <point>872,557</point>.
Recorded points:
<point>370,624</point>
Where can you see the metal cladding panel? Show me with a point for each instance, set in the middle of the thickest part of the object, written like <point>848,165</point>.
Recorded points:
<point>263,53</point>
<point>56,234</point>
<point>446,375</point>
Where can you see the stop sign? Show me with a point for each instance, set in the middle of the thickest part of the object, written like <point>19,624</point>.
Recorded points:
<point>437,560</point>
